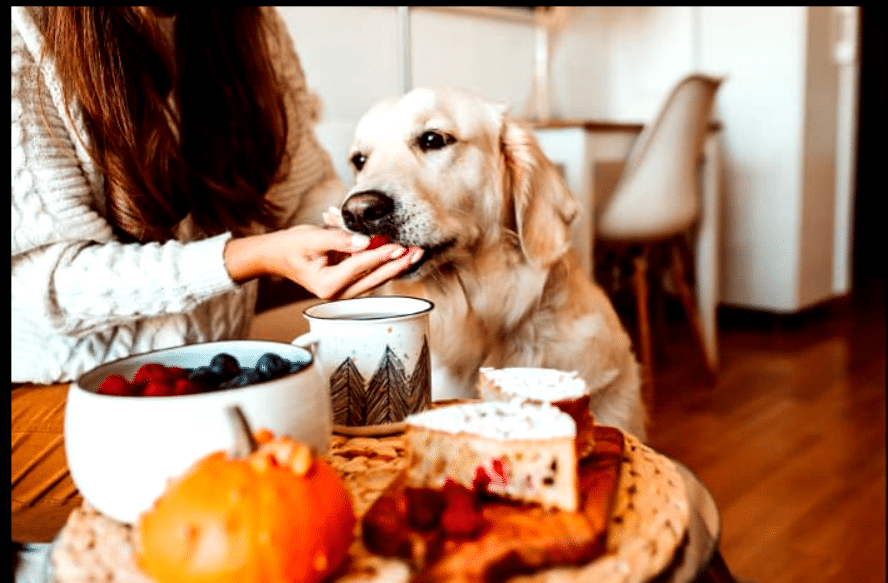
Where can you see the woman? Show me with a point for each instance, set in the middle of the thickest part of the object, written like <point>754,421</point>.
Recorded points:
<point>162,159</point>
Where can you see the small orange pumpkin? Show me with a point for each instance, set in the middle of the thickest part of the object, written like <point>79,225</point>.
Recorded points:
<point>279,515</point>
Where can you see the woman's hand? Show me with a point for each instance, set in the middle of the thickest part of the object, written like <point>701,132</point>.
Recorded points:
<point>310,256</point>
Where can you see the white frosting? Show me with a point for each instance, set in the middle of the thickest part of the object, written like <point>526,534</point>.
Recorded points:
<point>498,420</point>
<point>544,384</point>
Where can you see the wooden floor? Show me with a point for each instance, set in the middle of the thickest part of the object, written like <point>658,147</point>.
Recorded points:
<point>791,438</point>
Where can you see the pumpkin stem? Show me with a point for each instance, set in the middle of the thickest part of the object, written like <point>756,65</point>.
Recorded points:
<point>244,442</point>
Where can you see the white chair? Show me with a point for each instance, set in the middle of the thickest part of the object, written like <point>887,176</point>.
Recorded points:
<point>655,204</point>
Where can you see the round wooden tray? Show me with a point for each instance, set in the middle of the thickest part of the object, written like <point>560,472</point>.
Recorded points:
<point>649,523</point>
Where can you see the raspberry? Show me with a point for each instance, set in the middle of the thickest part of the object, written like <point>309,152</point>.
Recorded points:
<point>461,517</point>
<point>150,372</point>
<point>187,387</point>
<point>424,507</point>
<point>175,372</point>
<point>482,480</point>
<point>117,384</point>
<point>377,241</point>
<point>157,389</point>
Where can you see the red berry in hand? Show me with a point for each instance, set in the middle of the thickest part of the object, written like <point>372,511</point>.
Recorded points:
<point>157,389</point>
<point>377,241</point>
<point>117,384</point>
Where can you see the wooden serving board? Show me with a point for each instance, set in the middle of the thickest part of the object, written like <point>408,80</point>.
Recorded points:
<point>646,524</point>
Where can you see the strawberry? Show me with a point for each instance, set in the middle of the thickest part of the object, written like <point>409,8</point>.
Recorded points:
<point>157,389</point>
<point>117,384</point>
<point>377,241</point>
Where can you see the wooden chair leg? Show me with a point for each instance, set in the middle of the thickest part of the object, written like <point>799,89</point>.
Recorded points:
<point>644,334</point>
<point>657,262</point>
<point>684,292</point>
<point>717,572</point>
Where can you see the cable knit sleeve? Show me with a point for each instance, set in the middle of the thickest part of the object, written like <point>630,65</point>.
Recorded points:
<point>311,184</point>
<point>78,276</point>
<point>78,295</point>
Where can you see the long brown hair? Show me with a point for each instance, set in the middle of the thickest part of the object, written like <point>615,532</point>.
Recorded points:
<point>227,142</point>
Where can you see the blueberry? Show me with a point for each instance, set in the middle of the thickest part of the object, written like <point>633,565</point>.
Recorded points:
<point>271,365</point>
<point>297,365</point>
<point>203,374</point>
<point>247,376</point>
<point>225,366</point>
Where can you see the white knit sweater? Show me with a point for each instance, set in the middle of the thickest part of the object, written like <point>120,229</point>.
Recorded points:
<point>80,297</point>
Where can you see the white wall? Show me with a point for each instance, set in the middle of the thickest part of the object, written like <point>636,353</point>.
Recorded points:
<point>351,60</point>
<point>782,222</point>
<point>763,56</point>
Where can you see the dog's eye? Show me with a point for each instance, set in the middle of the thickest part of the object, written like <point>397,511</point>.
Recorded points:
<point>434,141</point>
<point>358,160</point>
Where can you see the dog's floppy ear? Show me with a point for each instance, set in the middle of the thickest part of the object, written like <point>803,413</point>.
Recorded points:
<point>544,206</point>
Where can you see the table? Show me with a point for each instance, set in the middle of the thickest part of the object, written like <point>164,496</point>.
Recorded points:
<point>587,152</point>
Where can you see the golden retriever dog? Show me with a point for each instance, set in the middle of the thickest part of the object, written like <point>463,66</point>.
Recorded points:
<point>453,173</point>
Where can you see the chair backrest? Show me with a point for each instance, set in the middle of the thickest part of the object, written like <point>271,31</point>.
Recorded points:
<point>658,193</point>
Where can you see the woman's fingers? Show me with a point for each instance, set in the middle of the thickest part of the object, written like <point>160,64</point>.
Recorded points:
<point>320,241</point>
<point>383,273</point>
<point>337,263</point>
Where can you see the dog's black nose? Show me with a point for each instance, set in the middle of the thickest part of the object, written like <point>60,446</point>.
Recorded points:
<point>365,211</point>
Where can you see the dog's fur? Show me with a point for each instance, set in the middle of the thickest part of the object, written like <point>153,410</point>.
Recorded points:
<point>494,215</point>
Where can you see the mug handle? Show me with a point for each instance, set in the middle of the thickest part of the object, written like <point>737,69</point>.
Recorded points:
<point>306,341</point>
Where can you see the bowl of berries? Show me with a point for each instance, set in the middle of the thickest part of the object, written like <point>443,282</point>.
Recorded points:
<point>133,424</point>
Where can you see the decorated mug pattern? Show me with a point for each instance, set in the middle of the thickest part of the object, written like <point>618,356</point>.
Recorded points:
<point>390,395</point>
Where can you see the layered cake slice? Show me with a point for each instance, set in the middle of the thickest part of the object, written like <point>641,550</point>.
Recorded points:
<point>516,450</point>
<point>563,389</point>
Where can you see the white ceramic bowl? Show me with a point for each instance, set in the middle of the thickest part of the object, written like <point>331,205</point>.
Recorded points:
<point>122,450</point>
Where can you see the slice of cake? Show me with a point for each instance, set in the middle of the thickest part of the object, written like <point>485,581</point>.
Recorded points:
<point>563,389</point>
<point>519,451</point>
